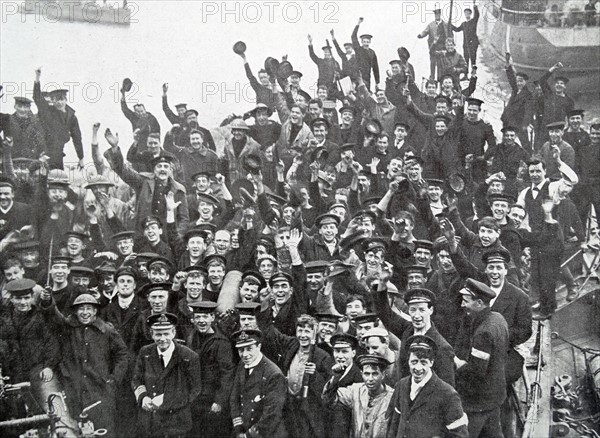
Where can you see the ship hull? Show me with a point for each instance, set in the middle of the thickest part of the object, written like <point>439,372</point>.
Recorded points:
<point>535,49</point>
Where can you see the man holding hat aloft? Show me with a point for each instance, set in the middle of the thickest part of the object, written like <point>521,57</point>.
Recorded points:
<point>166,381</point>
<point>60,124</point>
<point>151,189</point>
<point>259,390</point>
<point>217,368</point>
<point>481,346</point>
<point>365,56</point>
<point>556,102</point>
<point>329,69</point>
<point>423,405</point>
<point>94,358</point>
<point>368,400</point>
<point>518,112</point>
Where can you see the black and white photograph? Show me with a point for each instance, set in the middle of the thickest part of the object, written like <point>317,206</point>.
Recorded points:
<point>299,219</point>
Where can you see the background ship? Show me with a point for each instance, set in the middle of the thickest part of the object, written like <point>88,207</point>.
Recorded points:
<point>81,11</point>
<point>521,28</point>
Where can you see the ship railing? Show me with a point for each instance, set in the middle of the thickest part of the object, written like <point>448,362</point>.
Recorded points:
<point>571,18</point>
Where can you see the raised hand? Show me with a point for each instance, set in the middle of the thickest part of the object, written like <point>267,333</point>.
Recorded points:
<point>170,203</point>
<point>295,237</point>
<point>8,142</point>
<point>360,20</point>
<point>310,39</point>
<point>220,179</point>
<point>165,88</point>
<point>331,32</point>
<point>96,128</point>
<point>112,139</point>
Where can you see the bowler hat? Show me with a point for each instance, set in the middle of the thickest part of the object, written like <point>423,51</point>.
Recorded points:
<point>239,47</point>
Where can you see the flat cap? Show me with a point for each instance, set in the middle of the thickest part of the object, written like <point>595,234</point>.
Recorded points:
<point>20,287</point>
<point>254,277</point>
<point>162,321</point>
<point>419,295</point>
<point>365,318</point>
<point>496,255</point>
<point>279,277</point>
<point>341,340</point>
<point>85,299</point>
<point>151,287</point>
<point>478,290</point>
<point>250,309</point>
<point>246,337</point>
<point>421,342</point>
<point>327,317</point>
<point>204,307</point>
<point>327,218</point>
<point>374,360</point>
<point>316,266</point>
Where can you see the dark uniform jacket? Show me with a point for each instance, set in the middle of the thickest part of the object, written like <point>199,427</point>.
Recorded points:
<point>27,134</point>
<point>144,185</point>
<point>436,411</point>
<point>217,367</point>
<point>483,343</point>
<point>313,248</point>
<point>513,304</point>
<point>263,94</point>
<point>16,218</point>
<point>367,60</point>
<point>340,424</point>
<point>257,400</point>
<point>94,360</point>
<point>519,109</point>
<point>444,360</point>
<point>555,107</point>
<point>473,137</point>
<point>34,347</point>
<point>349,66</point>
<point>59,127</point>
<point>147,124</point>
<point>329,69</point>
<point>469,29</point>
<point>123,320</point>
<point>180,383</point>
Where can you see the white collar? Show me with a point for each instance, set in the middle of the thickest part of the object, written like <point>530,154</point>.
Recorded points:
<point>8,209</point>
<point>167,354</point>
<point>254,362</point>
<point>416,387</point>
<point>497,290</point>
<point>124,303</point>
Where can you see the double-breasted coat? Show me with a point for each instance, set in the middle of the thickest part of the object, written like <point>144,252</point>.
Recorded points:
<point>257,400</point>
<point>180,382</point>
<point>436,411</point>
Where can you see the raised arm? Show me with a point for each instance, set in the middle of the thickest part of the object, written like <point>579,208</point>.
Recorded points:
<point>171,116</point>
<point>311,52</point>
